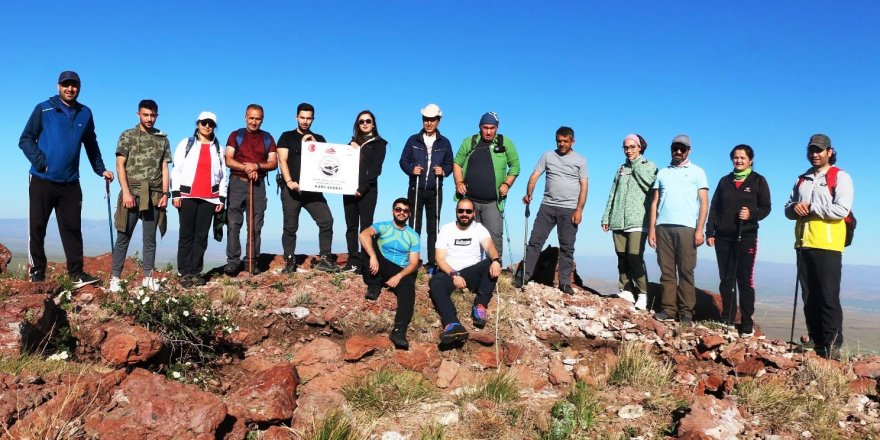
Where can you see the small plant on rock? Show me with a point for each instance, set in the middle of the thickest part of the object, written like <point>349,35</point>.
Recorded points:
<point>637,366</point>
<point>387,391</point>
<point>499,388</point>
<point>576,413</point>
<point>334,426</point>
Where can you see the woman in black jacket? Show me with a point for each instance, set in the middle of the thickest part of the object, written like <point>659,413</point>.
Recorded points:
<point>741,200</point>
<point>359,208</point>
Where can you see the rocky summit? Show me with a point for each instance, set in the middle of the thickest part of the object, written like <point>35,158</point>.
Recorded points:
<point>305,356</point>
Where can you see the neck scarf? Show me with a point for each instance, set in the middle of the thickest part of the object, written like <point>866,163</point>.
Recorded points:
<point>741,175</point>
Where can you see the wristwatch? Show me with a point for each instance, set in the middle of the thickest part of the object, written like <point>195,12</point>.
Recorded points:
<point>498,260</point>
<point>454,274</point>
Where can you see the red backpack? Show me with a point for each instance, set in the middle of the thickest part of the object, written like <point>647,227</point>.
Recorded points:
<point>850,219</point>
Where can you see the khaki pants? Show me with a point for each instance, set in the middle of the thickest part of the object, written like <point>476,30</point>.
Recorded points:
<point>677,256</point>
<point>630,250</point>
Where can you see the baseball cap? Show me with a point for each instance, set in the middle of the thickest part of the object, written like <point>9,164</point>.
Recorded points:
<point>820,141</point>
<point>207,115</point>
<point>432,111</point>
<point>68,75</point>
<point>682,139</point>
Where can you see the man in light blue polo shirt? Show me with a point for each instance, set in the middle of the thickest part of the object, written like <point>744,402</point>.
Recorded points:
<point>678,213</point>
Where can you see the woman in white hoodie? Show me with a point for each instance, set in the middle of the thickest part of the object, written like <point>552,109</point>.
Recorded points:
<point>198,190</point>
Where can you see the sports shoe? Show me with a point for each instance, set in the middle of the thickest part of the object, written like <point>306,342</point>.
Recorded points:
<point>747,331</point>
<point>37,276</point>
<point>627,295</point>
<point>256,270</point>
<point>398,338</point>
<point>326,264</point>
<point>82,279</point>
<point>198,280</point>
<point>686,321</point>
<point>149,283</point>
<point>431,269</point>
<point>232,269</point>
<point>479,314</point>
<point>290,267</point>
<point>373,292</point>
<point>642,302</point>
<point>452,333</point>
<point>186,281</point>
<point>518,281</point>
<point>663,316</point>
<point>115,284</point>
<point>351,268</point>
<point>566,288</point>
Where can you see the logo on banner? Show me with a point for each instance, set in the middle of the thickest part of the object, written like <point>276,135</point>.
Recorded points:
<point>329,166</point>
<point>312,148</point>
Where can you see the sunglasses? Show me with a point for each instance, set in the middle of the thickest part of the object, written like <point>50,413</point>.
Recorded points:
<point>464,211</point>
<point>207,123</point>
<point>403,210</point>
<point>365,121</point>
<point>424,119</point>
<point>680,148</point>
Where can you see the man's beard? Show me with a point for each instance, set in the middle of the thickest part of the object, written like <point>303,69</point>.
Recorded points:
<point>400,223</point>
<point>466,222</point>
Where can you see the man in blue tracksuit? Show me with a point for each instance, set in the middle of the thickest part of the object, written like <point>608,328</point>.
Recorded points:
<point>51,141</point>
<point>427,160</point>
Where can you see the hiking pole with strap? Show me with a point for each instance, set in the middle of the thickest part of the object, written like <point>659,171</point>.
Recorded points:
<point>797,282</point>
<point>731,315</point>
<point>437,203</point>
<point>415,205</point>
<point>525,246</point>
<point>109,213</point>
<point>251,226</point>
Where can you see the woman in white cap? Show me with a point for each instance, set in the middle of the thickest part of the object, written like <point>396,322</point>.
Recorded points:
<point>198,190</point>
<point>626,216</point>
<point>359,208</point>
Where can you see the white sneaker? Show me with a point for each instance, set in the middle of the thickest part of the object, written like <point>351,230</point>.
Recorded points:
<point>627,295</point>
<point>150,284</point>
<point>115,284</point>
<point>642,302</point>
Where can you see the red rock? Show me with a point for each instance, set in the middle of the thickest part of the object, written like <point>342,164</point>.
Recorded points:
<point>125,344</point>
<point>558,374</point>
<point>869,368</point>
<point>5,258</point>
<point>486,358</point>
<point>483,337</point>
<point>863,385</point>
<point>711,418</point>
<point>512,352</point>
<point>711,342</point>
<point>27,318</point>
<point>734,355</point>
<point>319,351</point>
<point>356,347</point>
<point>750,367</point>
<point>148,405</point>
<point>714,382</point>
<point>268,397</point>
<point>446,373</point>
<point>279,433</point>
<point>658,327</point>
<point>778,361</point>
<point>418,357</point>
<point>80,396</point>
<point>526,377</point>
<point>255,364</point>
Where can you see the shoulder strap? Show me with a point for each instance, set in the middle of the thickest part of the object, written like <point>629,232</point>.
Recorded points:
<point>267,142</point>
<point>473,142</point>
<point>500,138</point>
<point>189,144</point>
<point>831,179</point>
<point>239,137</point>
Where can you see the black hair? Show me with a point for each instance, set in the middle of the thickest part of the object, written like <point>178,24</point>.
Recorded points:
<point>643,144</point>
<point>402,201</point>
<point>565,132</point>
<point>148,104</point>
<point>254,107</point>
<point>360,137</point>
<point>749,152</point>
<point>305,107</point>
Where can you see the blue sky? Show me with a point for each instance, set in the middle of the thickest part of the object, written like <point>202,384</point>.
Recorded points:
<point>768,74</point>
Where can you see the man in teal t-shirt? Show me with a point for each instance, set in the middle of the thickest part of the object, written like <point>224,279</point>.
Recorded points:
<point>394,258</point>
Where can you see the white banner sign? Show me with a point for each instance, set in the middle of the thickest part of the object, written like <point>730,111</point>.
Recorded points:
<point>329,168</point>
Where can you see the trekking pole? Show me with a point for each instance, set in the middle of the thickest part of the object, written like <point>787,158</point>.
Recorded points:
<point>525,246</point>
<point>797,282</point>
<point>731,315</point>
<point>251,226</point>
<point>437,203</point>
<point>416,208</point>
<point>109,214</point>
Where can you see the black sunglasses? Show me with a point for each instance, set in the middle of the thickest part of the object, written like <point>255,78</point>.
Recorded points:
<point>681,148</point>
<point>464,211</point>
<point>403,210</point>
<point>207,123</point>
<point>365,121</point>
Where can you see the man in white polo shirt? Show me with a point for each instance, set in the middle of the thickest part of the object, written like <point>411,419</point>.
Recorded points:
<point>460,250</point>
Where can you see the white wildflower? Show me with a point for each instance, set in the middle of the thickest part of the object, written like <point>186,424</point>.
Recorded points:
<point>176,375</point>
<point>145,300</point>
<point>63,356</point>
<point>186,313</point>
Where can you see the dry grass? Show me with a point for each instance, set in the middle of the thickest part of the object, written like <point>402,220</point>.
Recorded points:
<point>637,366</point>
<point>774,401</point>
<point>387,391</point>
<point>38,365</point>
<point>336,425</point>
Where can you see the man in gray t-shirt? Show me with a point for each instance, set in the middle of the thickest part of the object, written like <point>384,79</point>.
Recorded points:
<point>565,194</point>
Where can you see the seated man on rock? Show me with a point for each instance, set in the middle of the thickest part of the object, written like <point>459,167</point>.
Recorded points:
<point>460,251</point>
<point>393,260</point>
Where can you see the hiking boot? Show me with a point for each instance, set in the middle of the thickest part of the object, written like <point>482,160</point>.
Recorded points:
<point>351,268</point>
<point>747,331</point>
<point>686,321</point>
<point>148,283</point>
<point>627,295</point>
<point>326,264</point>
<point>373,292</point>
<point>663,316</point>
<point>566,288</point>
<point>232,269</point>
<point>642,302</point>
<point>37,276</point>
<point>198,280</point>
<point>398,338</point>
<point>479,315</point>
<point>186,281</point>
<point>82,279</point>
<point>290,267</point>
<point>256,270</point>
<point>452,333</point>
<point>517,281</point>
<point>115,284</point>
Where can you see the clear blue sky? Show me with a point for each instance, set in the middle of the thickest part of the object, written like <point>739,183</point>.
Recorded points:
<point>768,74</point>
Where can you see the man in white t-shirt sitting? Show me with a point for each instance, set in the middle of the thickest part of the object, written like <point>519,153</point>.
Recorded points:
<point>459,252</point>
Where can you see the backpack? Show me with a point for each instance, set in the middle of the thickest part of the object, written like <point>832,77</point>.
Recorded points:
<point>499,146</point>
<point>267,142</point>
<point>850,219</point>
<point>192,140</point>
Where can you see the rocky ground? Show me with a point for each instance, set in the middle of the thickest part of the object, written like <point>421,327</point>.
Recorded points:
<point>278,356</point>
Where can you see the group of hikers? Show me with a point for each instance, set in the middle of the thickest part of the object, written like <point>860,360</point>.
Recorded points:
<point>668,208</point>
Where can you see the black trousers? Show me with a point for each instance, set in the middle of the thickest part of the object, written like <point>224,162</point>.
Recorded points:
<point>405,290</point>
<point>292,203</point>
<point>478,281</point>
<point>431,201</point>
<point>819,272</point>
<point>66,200</point>
<point>196,216</point>
<point>726,251</point>
<point>358,216</point>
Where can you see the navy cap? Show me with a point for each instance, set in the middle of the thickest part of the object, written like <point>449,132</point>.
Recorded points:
<point>68,75</point>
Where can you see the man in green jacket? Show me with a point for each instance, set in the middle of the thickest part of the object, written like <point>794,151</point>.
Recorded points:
<point>485,167</point>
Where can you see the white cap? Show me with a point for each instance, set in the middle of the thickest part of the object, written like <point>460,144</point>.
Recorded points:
<point>207,115</point>
<point>431,111</point>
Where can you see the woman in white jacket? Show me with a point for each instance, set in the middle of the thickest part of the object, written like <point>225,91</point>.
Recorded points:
<point>198,190</point>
